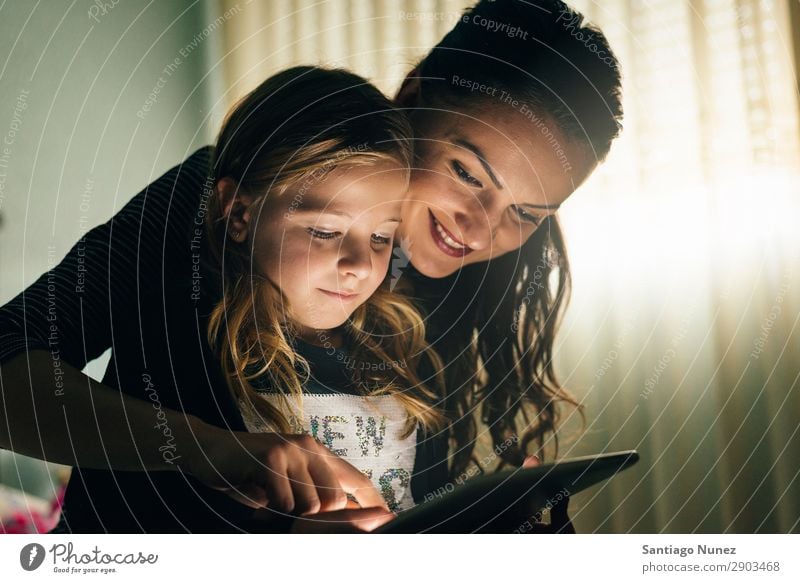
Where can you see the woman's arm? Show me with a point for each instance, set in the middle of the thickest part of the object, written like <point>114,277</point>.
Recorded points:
<point>64,319</point>
<point>88,424</point>
<point>69,309</point>
<point>78,421</point>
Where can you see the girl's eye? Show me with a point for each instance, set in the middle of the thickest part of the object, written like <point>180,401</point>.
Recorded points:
<point>466,176</point>
<point>317,234</point>
<point>381,240</point>
<point>528,217</point>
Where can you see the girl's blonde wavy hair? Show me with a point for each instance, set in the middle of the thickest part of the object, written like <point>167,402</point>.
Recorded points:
<point>295,127</point>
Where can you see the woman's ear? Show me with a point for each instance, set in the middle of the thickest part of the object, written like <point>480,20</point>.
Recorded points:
<point>408,95</point>
<point>235,205</point>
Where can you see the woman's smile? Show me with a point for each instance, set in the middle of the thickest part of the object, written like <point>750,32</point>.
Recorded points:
<point>445,240</point>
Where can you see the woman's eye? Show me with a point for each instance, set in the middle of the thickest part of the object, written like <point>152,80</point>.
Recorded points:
<point>526,216</point>
<point>381,239</point>
<point>466,176</point>
<point>317,234</point>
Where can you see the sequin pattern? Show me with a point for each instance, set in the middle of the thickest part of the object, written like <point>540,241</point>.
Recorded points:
<point>387,486</point>
<point>365,432</point>
<point>328,432</point>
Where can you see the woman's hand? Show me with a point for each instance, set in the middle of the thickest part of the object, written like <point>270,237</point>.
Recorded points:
<point>289,473</point>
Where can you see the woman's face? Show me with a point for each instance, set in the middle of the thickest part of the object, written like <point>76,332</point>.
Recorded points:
<point>482,183</point>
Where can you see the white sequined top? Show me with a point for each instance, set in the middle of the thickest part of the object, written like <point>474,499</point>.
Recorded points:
<point>365,431</point>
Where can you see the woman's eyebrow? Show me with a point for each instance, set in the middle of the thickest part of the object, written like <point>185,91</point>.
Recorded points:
<point>481,158</point>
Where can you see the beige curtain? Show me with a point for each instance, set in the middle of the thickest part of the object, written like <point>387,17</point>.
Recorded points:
<point>681,339</point>
<point>379,39</point>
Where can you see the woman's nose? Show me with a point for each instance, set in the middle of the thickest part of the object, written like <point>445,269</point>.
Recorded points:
<point>478,221</point>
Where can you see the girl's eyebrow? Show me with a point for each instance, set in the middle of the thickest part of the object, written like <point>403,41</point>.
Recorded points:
<point>330,211</point>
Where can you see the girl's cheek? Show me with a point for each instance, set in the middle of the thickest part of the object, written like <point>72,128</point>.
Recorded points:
<point>383,267</point>
<point>314,261</point>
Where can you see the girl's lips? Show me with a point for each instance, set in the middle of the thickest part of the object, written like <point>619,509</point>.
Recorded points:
<point>343,297</point>
<point>441,243</point>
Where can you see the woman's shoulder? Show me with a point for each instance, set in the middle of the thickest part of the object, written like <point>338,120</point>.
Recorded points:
<point>166,222</point>
<point>186,188</point>
<point>167,206</point>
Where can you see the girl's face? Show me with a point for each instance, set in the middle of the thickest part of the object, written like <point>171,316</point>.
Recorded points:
<point>326,242</point>
<point>482,183</point>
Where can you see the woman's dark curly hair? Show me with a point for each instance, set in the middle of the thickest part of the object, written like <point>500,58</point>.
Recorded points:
<point>498,345</point>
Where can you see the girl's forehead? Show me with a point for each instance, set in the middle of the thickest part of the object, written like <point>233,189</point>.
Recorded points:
<point>351,191</point>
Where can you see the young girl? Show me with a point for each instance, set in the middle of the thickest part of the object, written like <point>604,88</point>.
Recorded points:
<point>311,169</point>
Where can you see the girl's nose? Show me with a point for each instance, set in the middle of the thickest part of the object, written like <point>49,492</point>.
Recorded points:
<point>355,259</point>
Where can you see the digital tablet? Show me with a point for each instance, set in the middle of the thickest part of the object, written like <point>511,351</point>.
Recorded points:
<point>500,502</point>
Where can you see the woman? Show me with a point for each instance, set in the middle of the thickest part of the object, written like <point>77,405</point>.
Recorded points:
<point>506,127</point>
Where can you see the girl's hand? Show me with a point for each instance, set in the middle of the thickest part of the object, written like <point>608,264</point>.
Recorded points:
<point>287,472</point>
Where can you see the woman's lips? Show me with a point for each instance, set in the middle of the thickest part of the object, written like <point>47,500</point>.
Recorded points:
<point>338,296</point>
<point>451,247</point>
